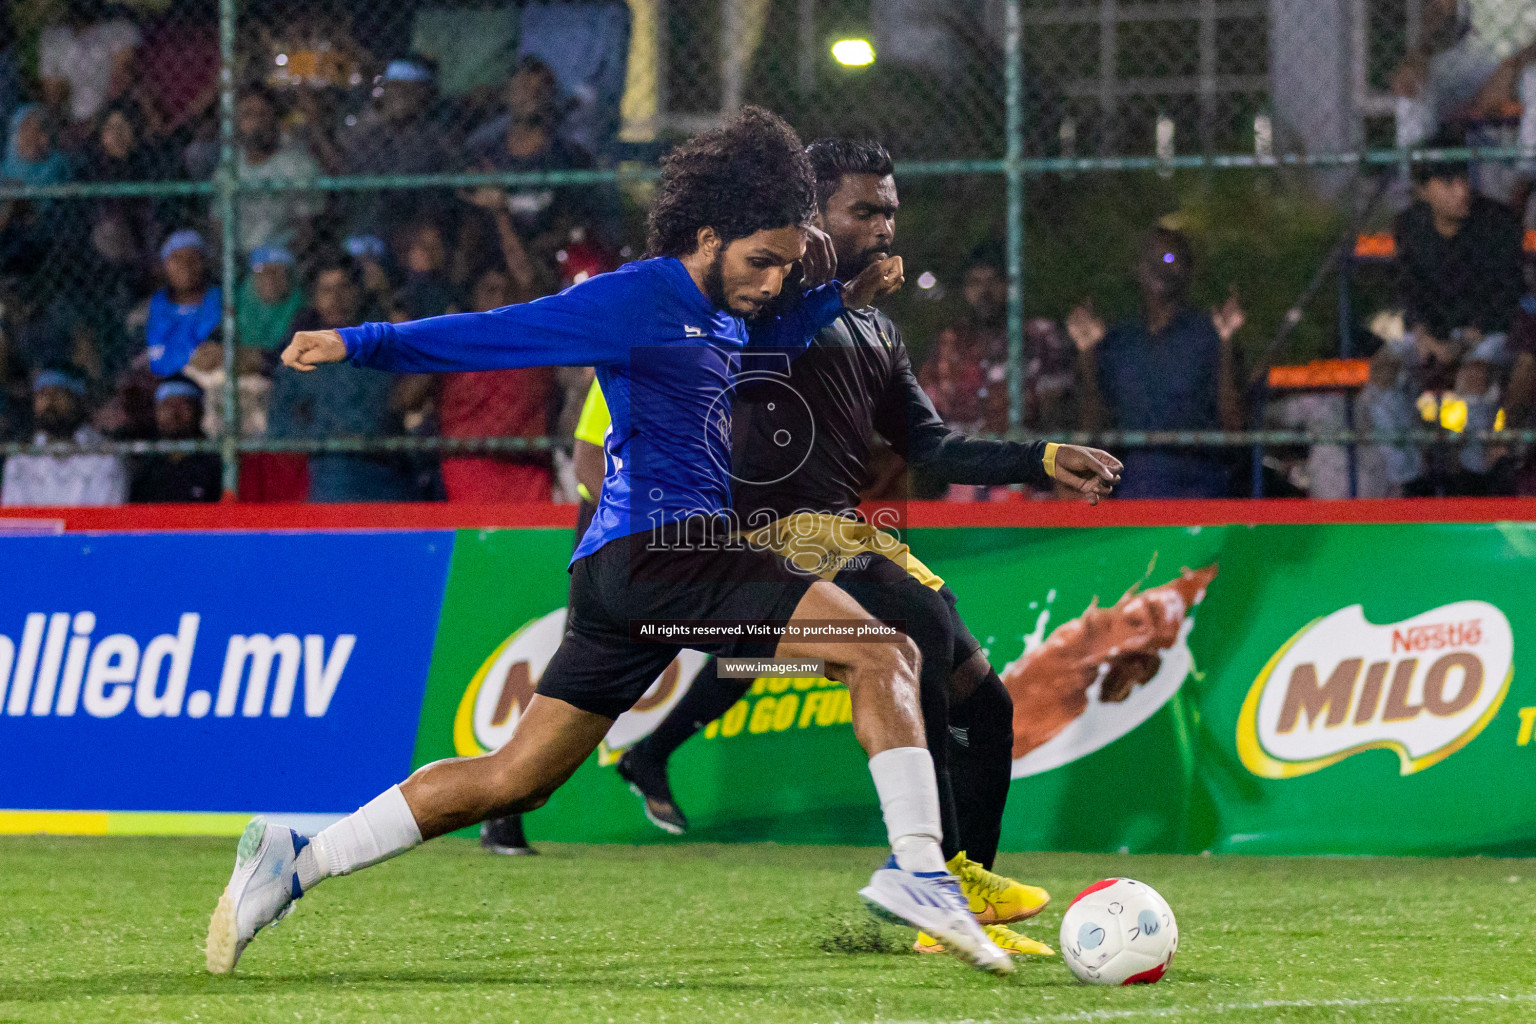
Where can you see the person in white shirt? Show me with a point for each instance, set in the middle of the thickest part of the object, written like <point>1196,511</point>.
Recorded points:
<point>63,481</point>
<point>273,218</point>
<point>86,61</point>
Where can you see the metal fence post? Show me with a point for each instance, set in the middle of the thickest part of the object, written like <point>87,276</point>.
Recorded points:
<point>1013,126</point>
<point>225,189</point>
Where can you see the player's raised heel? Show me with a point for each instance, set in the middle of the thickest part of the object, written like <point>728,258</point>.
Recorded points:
<point>261,890</point>
<point>933,904</point>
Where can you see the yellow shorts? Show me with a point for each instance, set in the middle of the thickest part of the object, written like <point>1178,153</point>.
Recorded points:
<point>825,544</point>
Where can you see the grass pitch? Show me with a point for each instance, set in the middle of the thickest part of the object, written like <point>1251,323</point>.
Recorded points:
<point>111,929</point>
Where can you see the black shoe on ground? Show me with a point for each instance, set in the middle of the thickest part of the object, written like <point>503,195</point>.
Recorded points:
<point>647,777</point>
<point>505,836</point>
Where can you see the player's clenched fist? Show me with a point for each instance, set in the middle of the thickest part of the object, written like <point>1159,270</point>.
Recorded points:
<point>309,349</point>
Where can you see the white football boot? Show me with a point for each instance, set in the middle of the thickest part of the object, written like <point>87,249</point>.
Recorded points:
<point>261,891</point>
<point>932,903</point>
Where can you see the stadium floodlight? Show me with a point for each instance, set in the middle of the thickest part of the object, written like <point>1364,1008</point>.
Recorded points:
<point>853,53</point>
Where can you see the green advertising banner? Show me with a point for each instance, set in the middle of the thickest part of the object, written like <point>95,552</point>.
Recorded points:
<point>1266,689</point>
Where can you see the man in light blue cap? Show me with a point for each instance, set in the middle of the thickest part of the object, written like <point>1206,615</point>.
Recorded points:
<point>396,135</point>
<point>185,313</point>
<point>267,300</point>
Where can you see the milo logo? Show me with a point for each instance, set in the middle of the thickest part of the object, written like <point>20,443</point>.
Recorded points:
<point>501,688</point>
<point>1424,687</point>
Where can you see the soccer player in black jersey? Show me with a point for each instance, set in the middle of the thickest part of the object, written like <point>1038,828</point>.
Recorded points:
<point>801,456</point>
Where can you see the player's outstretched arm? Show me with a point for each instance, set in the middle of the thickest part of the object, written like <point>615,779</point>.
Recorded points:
<point>309,349</point>
<point>582,326</point>
<point>906,418</point>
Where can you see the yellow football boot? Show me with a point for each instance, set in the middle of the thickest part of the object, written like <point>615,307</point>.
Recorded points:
<point>994,898</point>
<point>1004,937</point>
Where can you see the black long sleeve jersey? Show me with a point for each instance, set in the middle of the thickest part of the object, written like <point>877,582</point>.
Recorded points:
<point>803,433</point>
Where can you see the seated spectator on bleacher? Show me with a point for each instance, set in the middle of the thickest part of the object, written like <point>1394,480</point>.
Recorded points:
<point>87,61</point>
<point>1455,79</point>
<point>268,300</point>
<point>427,290</point>
<point>188,310</point>
<point>60,411</point>
<point>265,306</point>
<point>177,476</point>
<point>1168,368</point>
<point>528,138</point>
<point>496,403</point>
<point>1459,273</point>
<point>1459,282</point>
<point>966,374</point>
<point>31,152</point>
<point>399,134</point>
<point>372,256</point>
<point>120,151</point>
<point>340,401</point>
<point>274,218</point>
<point>178,72</point>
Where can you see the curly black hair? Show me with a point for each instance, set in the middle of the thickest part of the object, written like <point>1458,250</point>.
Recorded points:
<point>749,175</point>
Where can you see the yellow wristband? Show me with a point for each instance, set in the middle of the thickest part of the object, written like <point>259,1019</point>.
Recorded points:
<point>586,495</point>
<point>1050,459</point>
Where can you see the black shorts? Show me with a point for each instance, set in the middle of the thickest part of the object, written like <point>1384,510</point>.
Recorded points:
<point>890,593</point>
<point>600,668</point>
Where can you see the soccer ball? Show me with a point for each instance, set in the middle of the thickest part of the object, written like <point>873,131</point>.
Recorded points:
<point>1119,932</point>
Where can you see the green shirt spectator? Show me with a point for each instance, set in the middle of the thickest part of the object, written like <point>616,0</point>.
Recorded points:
<point>268,300</point>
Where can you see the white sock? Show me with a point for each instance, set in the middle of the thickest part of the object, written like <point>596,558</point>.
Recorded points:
<point>380,829</point>
<point>909,800</point>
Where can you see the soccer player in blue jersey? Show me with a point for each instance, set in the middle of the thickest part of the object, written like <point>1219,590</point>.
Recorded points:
<point>728,226</point>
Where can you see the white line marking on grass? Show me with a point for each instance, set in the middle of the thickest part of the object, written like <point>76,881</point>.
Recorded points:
<point>1161,1012</point>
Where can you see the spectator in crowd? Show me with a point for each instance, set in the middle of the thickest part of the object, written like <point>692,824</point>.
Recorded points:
<point>396,135</point>
<point>427,290</point>
<point>340,402</point>
<point>372,255</point>
<point>966,375</point>
<point>184,314</point>
<point>178,72</point>
<point>1459,282</point>
<point>1169,368</point>
<point>496,403</point>
<point>119,151</point>
<point>87,61</point>
<point>1459,274</point>
<point>31,155</point>
<point>60,411</point>
<point>177,476</point>
<point>527,138</point>
<point>268,300</point>
<point>277,218</point>
<point>1453,79</point>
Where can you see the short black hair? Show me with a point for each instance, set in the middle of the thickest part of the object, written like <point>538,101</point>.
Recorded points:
<point>833,158</point>
<point>1448,137</point>
<point>748,175</point>
<point>336,259</point>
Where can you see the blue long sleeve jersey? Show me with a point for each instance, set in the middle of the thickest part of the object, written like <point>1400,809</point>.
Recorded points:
<point>666,360</point>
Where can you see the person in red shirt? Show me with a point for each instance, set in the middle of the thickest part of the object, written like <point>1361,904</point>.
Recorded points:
<point>496,403</point>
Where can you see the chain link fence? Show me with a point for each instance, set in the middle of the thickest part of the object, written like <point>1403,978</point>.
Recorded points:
<point>185,183</point>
